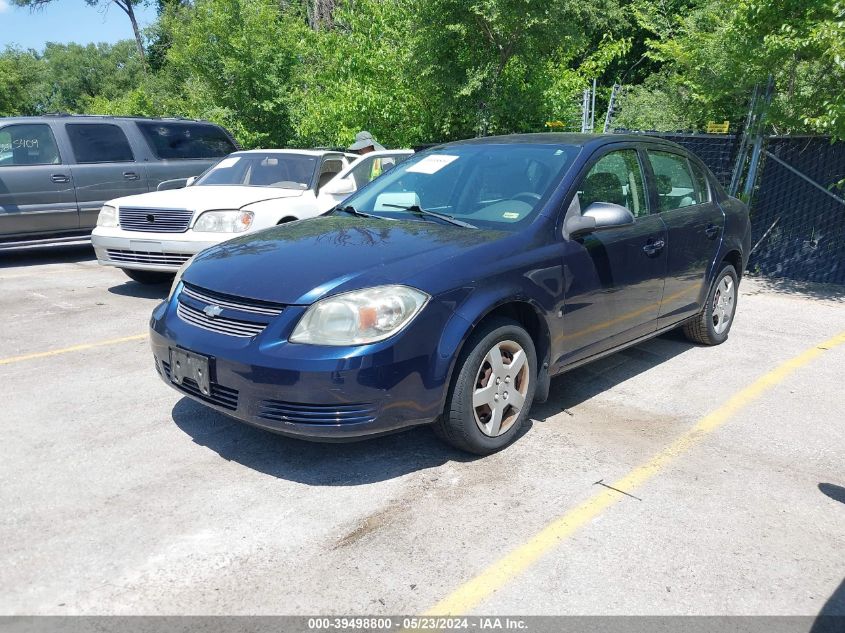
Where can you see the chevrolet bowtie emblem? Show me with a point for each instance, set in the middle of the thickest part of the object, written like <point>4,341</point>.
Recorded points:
<point>212,311</point>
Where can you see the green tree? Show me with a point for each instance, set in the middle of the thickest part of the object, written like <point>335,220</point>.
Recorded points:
<point>492,63</point>
<point>74,76</point>
<point>716,53</point>
<point>19,75</point>
<point>359,75</point>
<point>233,60</point>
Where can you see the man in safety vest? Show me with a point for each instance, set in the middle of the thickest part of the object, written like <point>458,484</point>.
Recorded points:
<point>364,144</point>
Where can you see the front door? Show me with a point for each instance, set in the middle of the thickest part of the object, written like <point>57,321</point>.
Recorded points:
<point>694,222</point>
<point>614,277</point>
<point>36,188</point>
<point>105,167</point>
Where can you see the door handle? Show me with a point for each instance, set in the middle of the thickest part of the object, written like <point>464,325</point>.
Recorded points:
<point>653,247</point>
<point>60,178</point>
<point>711,231</point>
<point>130,175</point>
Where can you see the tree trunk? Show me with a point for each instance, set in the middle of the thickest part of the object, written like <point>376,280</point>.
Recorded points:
<point>320,13</point>
<point>128,9</point>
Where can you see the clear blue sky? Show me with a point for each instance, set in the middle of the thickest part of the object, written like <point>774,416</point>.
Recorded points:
<point>67,21</point>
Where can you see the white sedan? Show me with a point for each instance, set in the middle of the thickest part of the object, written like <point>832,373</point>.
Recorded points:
<point>151,235</point>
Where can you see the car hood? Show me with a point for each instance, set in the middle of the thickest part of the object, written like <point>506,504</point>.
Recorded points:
<point>203,197</point>
<point>300,262</point>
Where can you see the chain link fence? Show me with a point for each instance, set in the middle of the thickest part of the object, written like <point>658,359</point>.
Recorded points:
<point>797,201</point>
<point>798,210</point>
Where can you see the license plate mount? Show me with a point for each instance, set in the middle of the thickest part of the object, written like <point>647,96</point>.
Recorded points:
<point>191,366</point>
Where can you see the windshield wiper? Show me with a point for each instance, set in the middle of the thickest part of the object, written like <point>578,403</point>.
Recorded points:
<point>353,211</point>
<point>418,210</point>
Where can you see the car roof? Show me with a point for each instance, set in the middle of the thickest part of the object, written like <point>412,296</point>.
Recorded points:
<point>307,152</point>
<point>97,117</point>
<point>563,138</point>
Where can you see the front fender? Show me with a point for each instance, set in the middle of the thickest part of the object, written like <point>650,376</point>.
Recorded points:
<point>471,307</point>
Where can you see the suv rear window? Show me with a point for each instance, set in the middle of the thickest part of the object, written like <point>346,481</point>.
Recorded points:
<point>170,140</point>
<point>99,143</point>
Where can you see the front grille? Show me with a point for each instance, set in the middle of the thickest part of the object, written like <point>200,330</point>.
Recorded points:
<point>234,316</point>
<point>222,325</point>
<point>220,395</point>
<point>281,411</point>
<point>235,303</point>
<point>145,257</point>
<point>155,220</point>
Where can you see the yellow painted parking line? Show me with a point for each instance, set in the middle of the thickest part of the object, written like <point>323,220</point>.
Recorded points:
<point>497,575</point>
<point>67,350</point>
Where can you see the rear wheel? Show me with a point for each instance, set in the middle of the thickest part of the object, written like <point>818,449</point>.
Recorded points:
<point>149,277</point>
<point>492,391</point>
<point>712,325</point>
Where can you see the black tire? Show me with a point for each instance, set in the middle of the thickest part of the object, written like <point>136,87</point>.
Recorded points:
<point>458,425</point>
<point>149,277</point>
<point>705,328</point>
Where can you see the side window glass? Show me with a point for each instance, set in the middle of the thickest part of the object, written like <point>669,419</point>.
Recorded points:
<point>616,178</point>
<point>99,143</point>
<point>28,144</point>
<point>171,140</point>
<point>702,188</point>
<point>673,181</point>
<point>330,168</point>
<point>362,173</point>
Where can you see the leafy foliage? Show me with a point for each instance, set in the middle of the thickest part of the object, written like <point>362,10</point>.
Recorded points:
<point>314,72</point>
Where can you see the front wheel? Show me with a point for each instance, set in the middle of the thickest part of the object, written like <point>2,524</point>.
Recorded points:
<point>148,277</point>
<point>712,325</point>
<point>492,391</point>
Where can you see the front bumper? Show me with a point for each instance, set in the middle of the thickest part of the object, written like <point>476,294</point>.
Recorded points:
<point>316,392</point>
<point>149,251</point>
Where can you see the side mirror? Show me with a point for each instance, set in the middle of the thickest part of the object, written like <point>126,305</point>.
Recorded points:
<point>191,181</point>
<point>175,183</point>
<point>599,215</point>
<point>339,187</point>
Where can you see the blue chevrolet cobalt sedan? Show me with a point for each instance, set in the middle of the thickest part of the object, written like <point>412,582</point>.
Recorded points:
<point>451,289</point>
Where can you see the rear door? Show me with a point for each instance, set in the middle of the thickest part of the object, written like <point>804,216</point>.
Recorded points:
<point>684,200</point>
<point>181,149</point>
<point>36,187</point>
<point>614,276</point>
<point>104,167</point>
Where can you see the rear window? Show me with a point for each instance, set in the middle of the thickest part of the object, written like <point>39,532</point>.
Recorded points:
<point>98,143</point>
<point>28,144</point>
<point>173,140</point>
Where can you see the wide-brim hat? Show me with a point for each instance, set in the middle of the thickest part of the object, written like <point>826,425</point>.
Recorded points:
<point>364,139</point>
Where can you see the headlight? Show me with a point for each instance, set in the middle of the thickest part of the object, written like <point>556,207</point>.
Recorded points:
<point>178,277</point>
<point>233,221</point>
<point>108,216</point>
<point>359,317</point>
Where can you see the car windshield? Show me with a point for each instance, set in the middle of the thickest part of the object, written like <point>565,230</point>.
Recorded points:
<point>260,169</point>
<point>496,186</point>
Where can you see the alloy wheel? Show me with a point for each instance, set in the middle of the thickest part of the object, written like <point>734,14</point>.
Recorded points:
<point>501,386</point>
<point>723,304</point>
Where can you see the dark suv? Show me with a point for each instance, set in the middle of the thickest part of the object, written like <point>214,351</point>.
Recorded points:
<point>57,170</point>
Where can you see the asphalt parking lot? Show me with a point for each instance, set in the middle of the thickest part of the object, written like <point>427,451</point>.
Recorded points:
<point>122,497</point>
